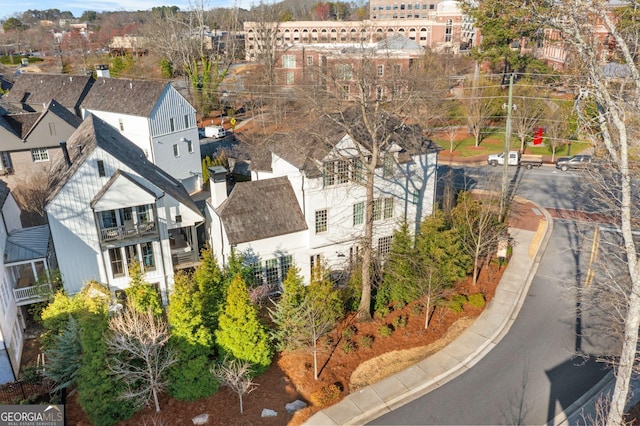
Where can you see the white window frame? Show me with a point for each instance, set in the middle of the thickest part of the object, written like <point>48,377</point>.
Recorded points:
<point>322,221</point>
<point>39,155</point>
<point>288,61</point>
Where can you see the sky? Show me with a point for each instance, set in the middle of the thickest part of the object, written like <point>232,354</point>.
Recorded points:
<point>9,8</point>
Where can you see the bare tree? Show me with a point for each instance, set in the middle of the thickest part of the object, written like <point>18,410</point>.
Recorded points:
<point>478,102</point>
<point>478,222</point>
<point>235,374</point>
<point>31,194</point>
<point>556,128</point>
<point>139,355</point>
<point>608,127</point>
<point>529,109</point>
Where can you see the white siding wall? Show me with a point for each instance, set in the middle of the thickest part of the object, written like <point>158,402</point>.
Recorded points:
<point>136,128</point>
<point>8,313</point>
<point>187,165</point>
<point>75,233</point>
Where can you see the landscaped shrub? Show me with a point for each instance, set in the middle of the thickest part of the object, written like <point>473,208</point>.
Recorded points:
<point>365,341</point>
<point>386,330</point>
<point>456,302</point>
<point>400,322</point>
<point>349,332</point>
<point>348,346</point>
<point>476,300</point>
<point>382,311</point>
<point>326,395</point>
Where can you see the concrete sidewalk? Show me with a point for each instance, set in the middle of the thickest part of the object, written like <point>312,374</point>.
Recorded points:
<point>463,353</point>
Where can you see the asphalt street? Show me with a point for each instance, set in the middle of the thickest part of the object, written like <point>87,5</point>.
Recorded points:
<point>549,357</point>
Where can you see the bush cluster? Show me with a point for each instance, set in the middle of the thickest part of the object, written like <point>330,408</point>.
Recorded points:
<point>386,330</point>
<point>326,395</point>
<point>477,300</point>
<point>365,341</point>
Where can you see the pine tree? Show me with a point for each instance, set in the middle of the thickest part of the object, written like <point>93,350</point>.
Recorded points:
<point>64,356</point>
<point>189,378</point>
<point>285,314</point>
<point>141,295</point>
<point>240,332</point>
<point>400,270</point>
<point>211,288</point>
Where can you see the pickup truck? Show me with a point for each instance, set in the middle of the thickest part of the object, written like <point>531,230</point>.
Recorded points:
<point>515,159</point>
<point>575,162</point>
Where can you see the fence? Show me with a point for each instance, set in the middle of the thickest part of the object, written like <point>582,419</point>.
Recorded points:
<point>21,390</point>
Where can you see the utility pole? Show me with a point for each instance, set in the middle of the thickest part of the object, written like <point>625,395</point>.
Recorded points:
<point>507,145</point>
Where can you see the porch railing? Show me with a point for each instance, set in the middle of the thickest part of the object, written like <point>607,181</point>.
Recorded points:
<point>32,294</point>
<point>127,231</point>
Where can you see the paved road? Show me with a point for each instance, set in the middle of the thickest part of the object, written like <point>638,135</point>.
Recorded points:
<point>546,360</point>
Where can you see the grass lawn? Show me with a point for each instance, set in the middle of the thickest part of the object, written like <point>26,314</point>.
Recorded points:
<point>464,145</point>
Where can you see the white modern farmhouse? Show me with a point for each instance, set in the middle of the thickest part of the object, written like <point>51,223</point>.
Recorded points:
<point>156,118</point>
<point>109,206</point>
<point>305,203</point>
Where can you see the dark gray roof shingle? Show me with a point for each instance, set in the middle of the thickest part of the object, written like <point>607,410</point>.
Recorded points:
<point>39,89</point>
<point>261,209</point>
<point>132,97</point>
<point>93,133</point>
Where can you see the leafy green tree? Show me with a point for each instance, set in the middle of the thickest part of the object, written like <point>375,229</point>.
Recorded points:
<point>240,332</point>
<point>166,68</point>
<point>12,24</point>
<point>189,377</point>
<point>99,391</point>
<point>141,295</point>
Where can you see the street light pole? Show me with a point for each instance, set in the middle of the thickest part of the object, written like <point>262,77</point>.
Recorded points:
<point>507,146</point>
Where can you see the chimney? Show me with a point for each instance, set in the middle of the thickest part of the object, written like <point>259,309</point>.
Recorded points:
<point>102,70</point>
<point>65,152</point>
<point>218,185</point>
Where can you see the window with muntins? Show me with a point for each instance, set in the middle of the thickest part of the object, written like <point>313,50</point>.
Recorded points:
<point>321,221</point>
<point>309,60</point>
<point>288,61</point>
<point>101,171</point>
<point>117,265</point>
<point>380,70</point>
<point>388,208</point>
<point>39,154</point>
<point>358,213</point>
<point>384,246</point>
<point>148,261</point>
<point>377,209</point>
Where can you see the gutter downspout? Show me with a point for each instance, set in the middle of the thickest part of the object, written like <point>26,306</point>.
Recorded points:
<point>164,271</point>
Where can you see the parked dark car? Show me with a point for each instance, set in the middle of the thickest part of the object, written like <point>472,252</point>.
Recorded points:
<point>572,163</point>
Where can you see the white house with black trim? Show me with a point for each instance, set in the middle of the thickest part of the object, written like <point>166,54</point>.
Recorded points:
<point>156,118</point>
<point>110,206</point>
<point>305,203</point>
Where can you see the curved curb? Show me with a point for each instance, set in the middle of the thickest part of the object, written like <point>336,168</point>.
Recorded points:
<point>482,349</point>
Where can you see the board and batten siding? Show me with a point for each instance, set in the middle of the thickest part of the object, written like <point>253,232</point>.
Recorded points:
<point>171,105</point>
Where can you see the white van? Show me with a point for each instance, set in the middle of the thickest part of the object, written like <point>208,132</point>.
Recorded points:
<point>214,132</point>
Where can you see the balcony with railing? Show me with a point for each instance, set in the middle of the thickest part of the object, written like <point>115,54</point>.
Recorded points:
<point>116,233</point>
<point>32,294</point>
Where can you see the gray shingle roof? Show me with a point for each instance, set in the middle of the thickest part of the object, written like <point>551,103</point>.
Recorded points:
<point>132,97</point>
<point>4,193</point>
<point>306,147</point>
<point>39,89</point>
<point>93,133</point>
<point>27,244</point>
<point>261,209</point>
